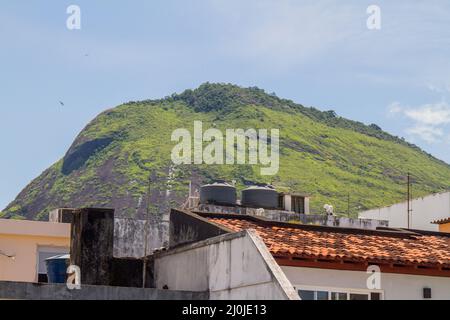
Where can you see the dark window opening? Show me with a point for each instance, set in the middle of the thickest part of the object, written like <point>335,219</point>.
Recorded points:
<point>306,294</point>
<point>375,296</point>
<point>357,296</point>
<point>298,204</point>
<point>281,202</point>
<point>42,278</point>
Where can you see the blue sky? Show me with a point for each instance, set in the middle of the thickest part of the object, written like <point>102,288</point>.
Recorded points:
<point>318,53</point>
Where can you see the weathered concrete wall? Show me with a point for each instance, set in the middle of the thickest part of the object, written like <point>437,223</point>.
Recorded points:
<point>332,221</point>
<point>61,215</point>
<point>33,291</point>
<point>91,244</point>
<point>186,228</point>
<point>129,235</point>
<point>425,210</point>
<point>231,266</point>
<point>289,216</point>
<point>393,286</point>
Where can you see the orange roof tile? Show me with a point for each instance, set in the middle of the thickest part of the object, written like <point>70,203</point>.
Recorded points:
<point>359,246</point>
<point>442,221</point>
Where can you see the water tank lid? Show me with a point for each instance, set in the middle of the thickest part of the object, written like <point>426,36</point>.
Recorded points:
<point>218,183</point>
<point>59,257</point>
<point>260,188</point>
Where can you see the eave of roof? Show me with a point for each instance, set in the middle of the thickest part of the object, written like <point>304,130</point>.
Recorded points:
<point>389,232</point>
<point>399,250</point>
<point>296,194</point>
<point>441,221</point>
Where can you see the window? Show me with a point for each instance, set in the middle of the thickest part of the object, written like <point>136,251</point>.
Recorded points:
<point>307,294</point>
<point>322,295</point>
<point>281,202</point>
<point>375,296</point>
<point>45,253</point>
<point>298,204</point>
<point>313,295</point>
<point>338,294</point>
<point>359,296</point>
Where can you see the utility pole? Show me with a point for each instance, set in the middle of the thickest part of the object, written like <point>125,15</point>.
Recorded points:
<point>151,179</point>
<point>348,205</point>
<point>408,199</point>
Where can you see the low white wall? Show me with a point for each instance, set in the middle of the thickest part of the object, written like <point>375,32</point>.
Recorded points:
<point>394,286</point>
<point>424,211</point>
<point>233,266</point>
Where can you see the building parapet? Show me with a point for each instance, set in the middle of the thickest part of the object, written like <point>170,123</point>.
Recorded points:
<point>39,291</point>
<point>289,216</point>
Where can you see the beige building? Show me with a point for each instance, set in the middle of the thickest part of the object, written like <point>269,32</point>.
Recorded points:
<point>24,246</point>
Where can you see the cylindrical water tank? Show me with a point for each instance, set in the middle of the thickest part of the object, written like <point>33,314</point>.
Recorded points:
<point>220,193</point>
<point>260,197</point>
<point>57,267</point>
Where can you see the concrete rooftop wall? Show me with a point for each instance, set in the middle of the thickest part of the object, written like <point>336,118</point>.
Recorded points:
<point>231,266</point>
<point>129,237</point>
<point>288,216</point>
<point>129,234</point>
<point>33,291</point>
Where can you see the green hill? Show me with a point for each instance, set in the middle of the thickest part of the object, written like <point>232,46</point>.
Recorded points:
<point>110,162</point>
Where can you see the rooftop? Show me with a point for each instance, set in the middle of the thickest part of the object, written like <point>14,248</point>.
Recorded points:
<point>391,247</point>
<point>34,228</point>
<point>442,221</point>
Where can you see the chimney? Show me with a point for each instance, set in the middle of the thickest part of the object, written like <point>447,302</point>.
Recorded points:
<point>91,245</point>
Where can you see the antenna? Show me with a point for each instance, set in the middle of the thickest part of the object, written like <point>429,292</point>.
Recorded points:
<point>408,200</point>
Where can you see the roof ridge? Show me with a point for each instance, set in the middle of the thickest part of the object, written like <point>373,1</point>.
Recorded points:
<point>394,233</point>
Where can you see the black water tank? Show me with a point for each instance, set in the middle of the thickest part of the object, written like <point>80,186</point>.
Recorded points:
<point>260,197</point>
<point>220,193</point>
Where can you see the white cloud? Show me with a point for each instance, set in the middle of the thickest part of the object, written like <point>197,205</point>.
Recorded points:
<point>429,121</point>
<point>440,89</point>
<point>430,114</point>
<point>290,34</point>
<point>429,134</point>
<point>434,88</point>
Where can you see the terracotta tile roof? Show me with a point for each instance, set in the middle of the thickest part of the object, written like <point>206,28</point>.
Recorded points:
<point>442,221</point>
<point>414,249</point>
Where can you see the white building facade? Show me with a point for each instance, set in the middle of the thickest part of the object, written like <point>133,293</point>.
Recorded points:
<point>424,211</point>
<point>328,284</point>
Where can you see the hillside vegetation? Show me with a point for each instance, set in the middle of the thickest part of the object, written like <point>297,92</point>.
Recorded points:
<point>322,154</point>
